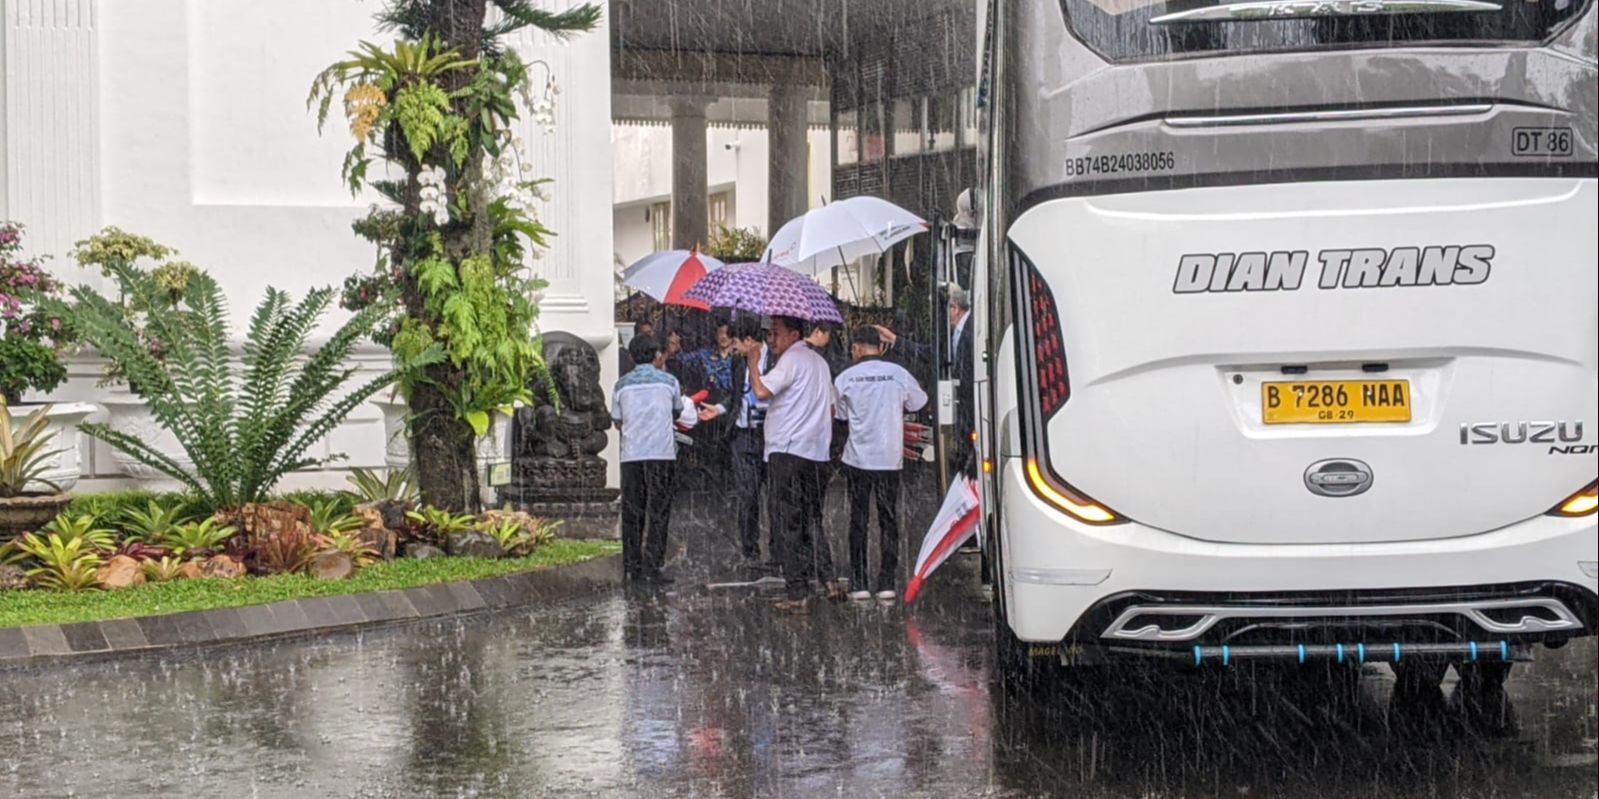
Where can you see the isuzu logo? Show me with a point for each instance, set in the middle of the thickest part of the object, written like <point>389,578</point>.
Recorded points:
<point>1338,477</point>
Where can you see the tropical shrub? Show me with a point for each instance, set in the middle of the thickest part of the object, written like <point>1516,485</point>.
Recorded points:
<point>361,554</point>
<point>439,106</point>
<point>162,569</point>
<point>82,527</point>
<point>30,337</point>
<point>395,484</point>
<point>332,515</point>
<point>517,533</point>
<point>197,539</point>
<point>114,249</point>
<point>283,552</point>
<point>243,432</point>
<point>735,245</point>
<point>436,524</point>
<point>64,564</point>
<point>152,523</point>
<point>114,506</point>
<point>141,551</point>
<point>22,451</point>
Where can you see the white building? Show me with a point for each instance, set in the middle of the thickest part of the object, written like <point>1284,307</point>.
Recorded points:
<point>187,122</point>
<point>737,162</point>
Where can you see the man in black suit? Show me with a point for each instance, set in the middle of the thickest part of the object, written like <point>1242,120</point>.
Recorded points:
<point>961,372</point>
<point>748,438</point>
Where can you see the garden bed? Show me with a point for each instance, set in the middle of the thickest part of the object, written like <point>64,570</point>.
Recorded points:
<point>19,608</point>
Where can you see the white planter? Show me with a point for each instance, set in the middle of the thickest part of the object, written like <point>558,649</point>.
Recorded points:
<point>128,414</point>
<point>65,466</point>
<point>493,449</point>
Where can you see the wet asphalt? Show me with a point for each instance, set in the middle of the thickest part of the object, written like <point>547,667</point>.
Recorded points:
<point>691,692</point>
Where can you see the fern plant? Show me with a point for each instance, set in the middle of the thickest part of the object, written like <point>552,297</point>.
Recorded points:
<point>243,431</point>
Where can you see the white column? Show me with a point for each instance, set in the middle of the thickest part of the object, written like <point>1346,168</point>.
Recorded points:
<point>50,121</point>
<point>689,213</point>
<point>788,166</point>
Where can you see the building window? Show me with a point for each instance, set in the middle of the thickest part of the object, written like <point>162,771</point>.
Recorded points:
<point>661,224</point>
<point>941,121</point>
<point>719,210</point>
<point>909,126</point>
<point>849,138</point>
<point>873,141</point>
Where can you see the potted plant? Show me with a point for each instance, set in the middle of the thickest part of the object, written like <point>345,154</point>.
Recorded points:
<point>30,354</point>
<point>23,459</point>
<point>126,411</point>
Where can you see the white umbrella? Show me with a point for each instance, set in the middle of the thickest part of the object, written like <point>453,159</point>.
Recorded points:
<point>665,275</point>
<point>841,232</point>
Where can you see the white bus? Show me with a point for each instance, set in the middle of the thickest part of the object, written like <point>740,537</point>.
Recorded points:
<point>1291,341</point>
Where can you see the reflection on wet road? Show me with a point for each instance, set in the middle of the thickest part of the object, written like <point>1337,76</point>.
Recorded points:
<point>700,694</point>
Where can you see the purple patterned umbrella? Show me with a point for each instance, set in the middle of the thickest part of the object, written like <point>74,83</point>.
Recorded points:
<point>706,287</point>
<point>767,290</point>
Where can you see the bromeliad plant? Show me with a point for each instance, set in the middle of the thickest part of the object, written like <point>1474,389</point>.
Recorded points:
<point>23,457</point>
<point>67,564</point>
<point>440,107</point>
<point>369,486</point>
<point>197,539</point>
<point>242,431</point>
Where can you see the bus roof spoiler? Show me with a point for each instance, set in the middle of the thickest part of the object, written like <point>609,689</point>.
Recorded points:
<point>1265,10</point>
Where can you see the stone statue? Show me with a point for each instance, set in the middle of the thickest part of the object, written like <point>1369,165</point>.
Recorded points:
<point>556,468</point>
<point>577,428</point>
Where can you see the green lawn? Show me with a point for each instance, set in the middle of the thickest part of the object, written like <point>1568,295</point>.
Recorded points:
<point>53,607</point>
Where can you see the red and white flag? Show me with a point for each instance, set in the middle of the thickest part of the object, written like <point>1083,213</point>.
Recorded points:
<point>956,521</point>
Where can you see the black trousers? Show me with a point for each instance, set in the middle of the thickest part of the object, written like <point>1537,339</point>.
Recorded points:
<point>647,488</point>
<point>869,487</point>
<point>797,521</point>
<point>749,479</point>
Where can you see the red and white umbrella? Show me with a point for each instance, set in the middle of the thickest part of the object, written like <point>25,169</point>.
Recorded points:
<point>667,274</point>
<point>956,521</point>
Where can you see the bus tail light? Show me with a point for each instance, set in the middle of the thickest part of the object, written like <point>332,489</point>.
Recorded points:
<point>1049,354</point>
<point>1042,352</point>
<point>1582,503</point>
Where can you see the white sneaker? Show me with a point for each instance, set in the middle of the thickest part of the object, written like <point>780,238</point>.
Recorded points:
<point>860,596</point>
<point>885,595</point>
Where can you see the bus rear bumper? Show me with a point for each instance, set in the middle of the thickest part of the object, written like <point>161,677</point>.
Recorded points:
<point>1137,588</point>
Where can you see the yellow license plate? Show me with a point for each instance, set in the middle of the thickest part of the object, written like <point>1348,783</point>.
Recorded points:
<point>1335,401</point>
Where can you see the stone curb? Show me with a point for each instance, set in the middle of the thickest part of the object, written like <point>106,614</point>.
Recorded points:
<point>22,647</point>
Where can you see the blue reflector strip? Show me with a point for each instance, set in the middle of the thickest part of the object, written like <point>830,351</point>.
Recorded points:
<point>1473,650</point>
<point>1199,654</point>
<point>1301,653</point>
<point>1340,653</point>
<point>1362,649</point>
<point>1504,650</point>
<point>1396,651</point>
<point>1226,656</point>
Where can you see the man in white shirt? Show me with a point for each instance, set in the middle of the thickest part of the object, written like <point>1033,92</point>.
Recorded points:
<point>873,396</point>
<point>799,430</point>
<point>647,405</point>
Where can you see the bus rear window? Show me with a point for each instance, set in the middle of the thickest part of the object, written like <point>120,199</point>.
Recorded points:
<point>1140,30</point>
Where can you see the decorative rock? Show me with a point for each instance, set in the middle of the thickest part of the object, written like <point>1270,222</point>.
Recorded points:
<point>261,520</point>
<point>221,567</point>
<point>388,513</point>
<point>13,578</point>
<point>423,551</point>
<point>332,566</point>
<point>120,572</point>
<point>190,570</point>
<point>382,540</point>
<point>473,544</point>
